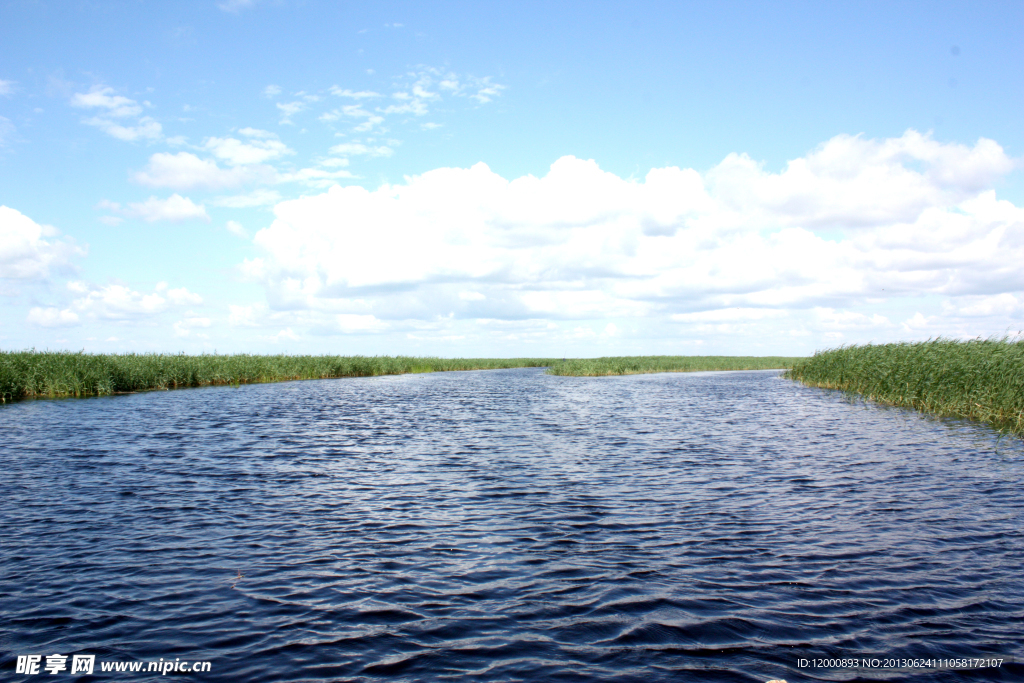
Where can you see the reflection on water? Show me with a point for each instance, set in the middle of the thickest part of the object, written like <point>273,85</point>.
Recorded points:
<point>509,525</point>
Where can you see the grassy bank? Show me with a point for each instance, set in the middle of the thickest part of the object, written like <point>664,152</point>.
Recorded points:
<point>635,365</point>
<point>31,374</point>
<point>980,380</point>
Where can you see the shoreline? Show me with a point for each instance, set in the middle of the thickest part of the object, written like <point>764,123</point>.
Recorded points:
<point>980,380</point>
<point>26,375</point>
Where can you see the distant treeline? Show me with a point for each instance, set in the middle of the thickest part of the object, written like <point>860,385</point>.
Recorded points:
<point>634,365</point>
<point>980,380</point>
<point>57,374</point>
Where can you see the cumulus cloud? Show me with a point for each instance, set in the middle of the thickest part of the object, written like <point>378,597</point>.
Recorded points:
<point>112,302</point>
<point>145,128</point>
<point>189,324</point>
<point>248,200</point>
<point>51,317</point>
<point>290,109</point>
<point>104,98</point>
<point>246,316</point>
<point>6,88</point>
<point>24,253</point>
<point>314,177</point>
<point>112,110</point>
<point>853,224</point>
<point>186,171</point>
<point>175,209</point>
<point>830,187</point>
<point>359,149</point>
<point>236,228</point>
<point>261,147</point>
<point>356,95</point>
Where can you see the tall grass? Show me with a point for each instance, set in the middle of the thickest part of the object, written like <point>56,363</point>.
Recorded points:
<point>57,374</point>
<point>980,380</point>
<point>634,365</point>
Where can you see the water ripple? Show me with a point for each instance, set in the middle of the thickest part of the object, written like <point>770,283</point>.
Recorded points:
<point>509,525</point>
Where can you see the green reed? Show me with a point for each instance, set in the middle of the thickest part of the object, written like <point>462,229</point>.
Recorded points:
<point>58,374</point>
<point>634,365</point>
<point>980,379</point>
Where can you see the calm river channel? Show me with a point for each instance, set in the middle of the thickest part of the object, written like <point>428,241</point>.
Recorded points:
<point>508,526</point>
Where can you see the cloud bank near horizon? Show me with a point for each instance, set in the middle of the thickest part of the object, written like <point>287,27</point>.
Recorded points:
<point>860,239</point>
<point>816,249</point>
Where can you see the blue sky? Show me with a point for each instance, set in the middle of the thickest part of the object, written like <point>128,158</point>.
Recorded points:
<point>537,179</point>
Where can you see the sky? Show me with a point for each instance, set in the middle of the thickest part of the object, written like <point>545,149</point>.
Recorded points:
<point>467,179</point>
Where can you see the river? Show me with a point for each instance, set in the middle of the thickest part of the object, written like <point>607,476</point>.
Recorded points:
<point>509,526</point>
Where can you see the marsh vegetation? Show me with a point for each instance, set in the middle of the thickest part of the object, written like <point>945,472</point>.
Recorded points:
<point>59,374</point>
<point>635,365</point>
<point>980,379</point>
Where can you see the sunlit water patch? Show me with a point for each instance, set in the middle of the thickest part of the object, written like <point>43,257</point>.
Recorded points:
<point>509,525</point>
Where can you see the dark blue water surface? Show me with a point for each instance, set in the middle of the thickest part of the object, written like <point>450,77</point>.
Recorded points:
<point>506,526</point>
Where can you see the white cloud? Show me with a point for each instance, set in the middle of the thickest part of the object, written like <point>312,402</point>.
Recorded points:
<point>736,248</point>
<point>830,187</point>
<point>113,302</point>
<point>420,84</point>
<point>24,253</point>
<point>356,95</point>
<point>259,149</point>
<point>52,317</point>
<point>110,107</point>
<point>1003,305</point>
<point>290,109</point>
<point>186,171</point>
<point>175,209</point>
<point>352,323</point>
<point>119,302</point>
<point>314,177</point>
<point>6,88</point>
<point>182,297</point>
<point>285,334</point>
<point>414,93</point>
<point>272,91</point>
<point>728,315</point>
<point>358,148</point>
<point>187,325</point>
<point>355,111</point>
<point>235,228</point>
<point>246,316</point>
<point>145,128</point>
<point>103,97</point>
<point>251,199</point>
<point>257,133</point>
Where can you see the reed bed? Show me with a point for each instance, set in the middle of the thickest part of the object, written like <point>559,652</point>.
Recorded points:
<point>61,374</point>
<point>979,380</point>
<point>635,365</point>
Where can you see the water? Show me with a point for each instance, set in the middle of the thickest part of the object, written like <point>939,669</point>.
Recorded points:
<point>508,525</point>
